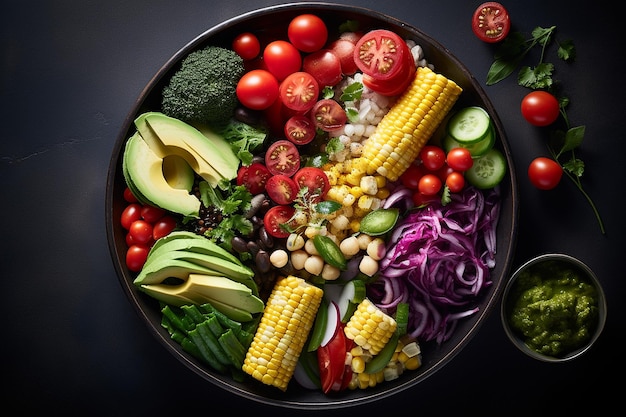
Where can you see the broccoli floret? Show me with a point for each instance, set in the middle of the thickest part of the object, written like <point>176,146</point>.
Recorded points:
<point>202,90</point>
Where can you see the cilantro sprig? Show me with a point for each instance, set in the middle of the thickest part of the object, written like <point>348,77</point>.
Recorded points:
<point>563,143</point>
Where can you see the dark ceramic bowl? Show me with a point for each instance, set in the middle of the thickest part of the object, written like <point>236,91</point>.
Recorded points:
<point>538,266</point>
<point>267,20</point>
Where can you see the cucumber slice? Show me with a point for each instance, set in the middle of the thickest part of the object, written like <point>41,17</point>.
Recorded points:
<point>351,295</point>
<point>487,170</point>
<point>469,125</point>
<point>476,148</point>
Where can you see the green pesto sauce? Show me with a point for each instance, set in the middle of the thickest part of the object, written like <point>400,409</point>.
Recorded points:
<point>554,308</point>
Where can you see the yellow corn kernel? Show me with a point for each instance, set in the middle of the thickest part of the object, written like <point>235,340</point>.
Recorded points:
<point>409,124</point>
<point>380,181</point>
<point>286,322</point>
<point>357,191</point>
<point>382,193</point>
<point>369,185</point>
<point>370,327</point>
<point>357,364</point>
<point>413,363</point>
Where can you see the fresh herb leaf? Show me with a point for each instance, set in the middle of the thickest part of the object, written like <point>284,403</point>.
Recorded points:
<point>244,139</point>
<point>328,92</point>
<point>327,207</point>
<point>352,92</point>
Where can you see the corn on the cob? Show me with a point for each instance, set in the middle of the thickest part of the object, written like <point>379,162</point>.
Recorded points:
<point>409,124</point>
<point>287,319</point>
<point>370,327</point>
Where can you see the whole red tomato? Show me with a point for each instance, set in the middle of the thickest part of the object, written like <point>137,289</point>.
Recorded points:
<point>544,173</point>
<point>540,108</point>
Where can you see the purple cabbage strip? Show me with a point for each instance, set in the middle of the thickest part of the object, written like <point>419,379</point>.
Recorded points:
<point>439,260</point>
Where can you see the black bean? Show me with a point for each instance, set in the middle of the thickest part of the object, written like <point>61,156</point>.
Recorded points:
<point>266,238</point>
<point>239,244</point>
<point>262,260</point>
<point>253,248</point>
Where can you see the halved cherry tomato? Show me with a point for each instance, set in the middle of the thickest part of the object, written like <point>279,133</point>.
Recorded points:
<point>281,189</point>
<point>491,22</point>
<point>315,179</point>
<point>381,54</point>
<point>257,89</point>
<point>411,176</point>
<point>299,91</point>
<point>344,49</point>
<point>277,216</point>
<point>307,32</point>
<point>254,177</point>
<point>328,115</point>
<point>247,45</point>
<point>299,129</point>
<point>324,66</point>
<point>282,157</point>
<point>282,59</point>
<point>395,85</point>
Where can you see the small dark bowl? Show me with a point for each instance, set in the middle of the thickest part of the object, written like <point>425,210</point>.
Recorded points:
<point>535,266</point>
<point>270,21</point>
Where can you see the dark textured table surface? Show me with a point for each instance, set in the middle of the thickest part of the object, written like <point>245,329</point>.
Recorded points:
<point>70,71</point>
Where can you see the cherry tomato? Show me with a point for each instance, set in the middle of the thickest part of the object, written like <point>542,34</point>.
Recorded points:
<point>277,216</point>
<point>455,181</point>
<point>491,22</point>
<point>163,227</point>
<point>136,256</point>
<point>429,184</point>
<point>307,32</point>
<point>324,66</point>
<point>247,45</point>
<point>444,171</point>
<point>282,157</point>
<point>351,36</point>
<point>129,196</point>
<point>300,129</point>
<point>328,115</point>
<point>459,159</point>
<point>411,176</point>
<point>433,157</point>
<point>281,189</point>
<point>381,54</point>
<point>315,179</point>
<point>254,177</point>
<point>420,199</point>
<point>344,50</point>
<point>544,173</point>
<point>299,91</point>
<point>151,214</point>
<point>540,108</point>
<point>131,213</point>
<point>257,89</point>
<point>395,85</point>
<point>282,59</point>
<point>141,232</point>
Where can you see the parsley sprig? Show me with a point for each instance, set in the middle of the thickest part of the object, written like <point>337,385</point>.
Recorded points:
<point>563,143</point>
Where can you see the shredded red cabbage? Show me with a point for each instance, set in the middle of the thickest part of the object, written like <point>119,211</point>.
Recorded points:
<point>439,260</point>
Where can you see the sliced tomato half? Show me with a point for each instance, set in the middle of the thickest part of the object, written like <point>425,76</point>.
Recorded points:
<point>491,22</point>
<point>281,189</point>
<point>381,54</point>
<point>276,217</point>
<point>314,179</point>
<point>282,157</point>
<point>299,91</point>
<point>254,177</point>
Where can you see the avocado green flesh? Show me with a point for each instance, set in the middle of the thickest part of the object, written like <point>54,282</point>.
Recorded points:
<point>185,240</point>
<point>159,270</point>
<point>215,161</point>
<point>143,171</point>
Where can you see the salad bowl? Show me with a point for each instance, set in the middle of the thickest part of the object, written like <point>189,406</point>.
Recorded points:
<point>434,355</point>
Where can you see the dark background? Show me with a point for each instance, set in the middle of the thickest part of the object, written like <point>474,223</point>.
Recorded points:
<point>70,71</point>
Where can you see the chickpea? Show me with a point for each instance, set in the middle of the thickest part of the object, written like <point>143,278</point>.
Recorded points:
<point>330,273</point>
<point>295,242</point>
<point>349,246</point>
<point>364,240</point>
<point>279,258</point>
<point>314,264</point>
<point>298,258</point>
<point>368,265</point>
<point>376,249</point>
<point>309,247</point>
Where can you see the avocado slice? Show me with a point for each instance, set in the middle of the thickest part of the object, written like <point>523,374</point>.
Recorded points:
<point>216,266</point>
<point>189,241</point>
<point>143,171</point>
<point>159,270</point>
<point>217,162</point>
<point>178,173</point>
<point>233,299</point>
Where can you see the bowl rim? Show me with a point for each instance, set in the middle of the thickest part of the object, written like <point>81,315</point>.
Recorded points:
<point>491,296</point>
<point>590,276</point>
